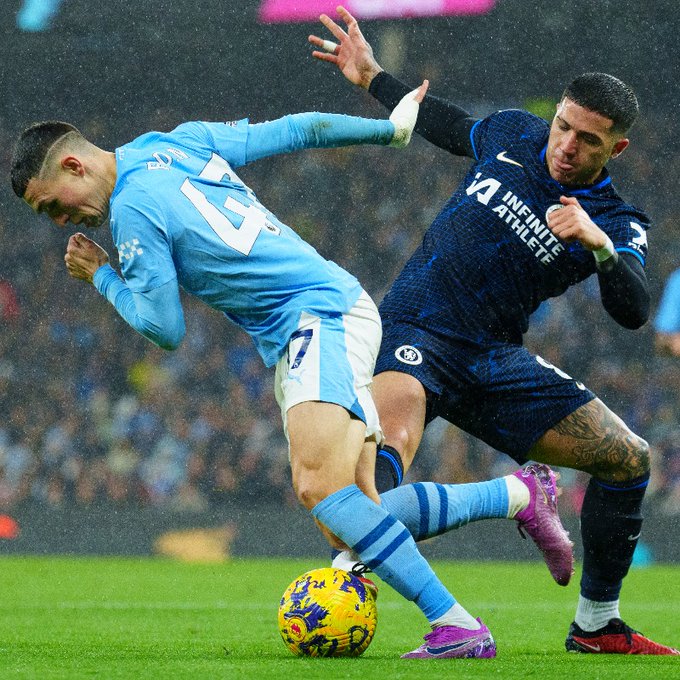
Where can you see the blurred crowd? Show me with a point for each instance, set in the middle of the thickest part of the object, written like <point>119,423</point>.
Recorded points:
<point>95,414</point>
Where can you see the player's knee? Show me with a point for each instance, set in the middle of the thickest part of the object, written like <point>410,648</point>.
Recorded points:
<point>627,459</point>
<point>403,439</point>
<point>401,403</point>
<point>639,464</point>
<point>398,438</point>
<point>311,488</point>
<point>307,494</point>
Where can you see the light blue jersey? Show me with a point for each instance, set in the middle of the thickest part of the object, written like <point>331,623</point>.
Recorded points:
<point>181,216</point>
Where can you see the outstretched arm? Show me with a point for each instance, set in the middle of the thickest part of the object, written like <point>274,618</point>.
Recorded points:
<point>440,122</point>
<point>327,130</point>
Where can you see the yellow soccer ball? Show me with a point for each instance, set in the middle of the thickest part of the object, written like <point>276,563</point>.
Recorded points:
<point>327,612</point>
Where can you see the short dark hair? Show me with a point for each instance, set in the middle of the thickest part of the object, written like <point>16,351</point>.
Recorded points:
<point>31,148</point>
<point>606,95</point>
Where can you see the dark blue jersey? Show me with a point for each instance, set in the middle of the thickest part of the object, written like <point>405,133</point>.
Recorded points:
<point>488,260</point>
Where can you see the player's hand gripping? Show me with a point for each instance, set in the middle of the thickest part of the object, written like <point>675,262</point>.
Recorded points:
<point>83,257</point>
<point>352,54</point>
<point>405,114</point>
<point>572,223</point>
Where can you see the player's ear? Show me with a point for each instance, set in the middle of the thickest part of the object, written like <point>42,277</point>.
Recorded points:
<point>619,147</point>
<point>73,165</point>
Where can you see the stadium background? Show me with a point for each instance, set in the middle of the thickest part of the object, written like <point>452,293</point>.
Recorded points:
<point>106,442</point>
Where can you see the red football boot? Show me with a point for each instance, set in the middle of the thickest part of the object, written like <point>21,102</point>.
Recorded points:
<point>614,638</point>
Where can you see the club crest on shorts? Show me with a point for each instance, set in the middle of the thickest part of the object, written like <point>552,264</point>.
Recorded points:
<point>408,354</point>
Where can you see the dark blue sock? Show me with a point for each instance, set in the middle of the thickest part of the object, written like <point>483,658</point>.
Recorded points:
<point>611,521</point>
<point>389,469</point>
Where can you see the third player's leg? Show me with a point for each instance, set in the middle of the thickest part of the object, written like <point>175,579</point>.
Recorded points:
<point>597,441</point>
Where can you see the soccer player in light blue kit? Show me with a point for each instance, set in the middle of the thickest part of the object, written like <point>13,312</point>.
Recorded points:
<point>667,319</point>
<point>180,216</point>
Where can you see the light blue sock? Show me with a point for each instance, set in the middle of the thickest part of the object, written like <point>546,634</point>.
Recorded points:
<point>385,546</point>
<point>428,509</point>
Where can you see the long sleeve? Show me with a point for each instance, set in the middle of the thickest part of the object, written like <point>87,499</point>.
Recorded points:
<point>625,292</point>
<point>314,131</point>
<point>156,314</point>
<point>439,121</point>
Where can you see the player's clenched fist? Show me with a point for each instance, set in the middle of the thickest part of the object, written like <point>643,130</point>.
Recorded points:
<point>572,223</point>
<point>83,257</point>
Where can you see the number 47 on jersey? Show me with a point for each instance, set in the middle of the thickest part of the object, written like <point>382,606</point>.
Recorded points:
<point>242,237</point>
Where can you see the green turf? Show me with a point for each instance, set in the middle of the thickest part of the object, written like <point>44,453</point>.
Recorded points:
<point>151,618</point>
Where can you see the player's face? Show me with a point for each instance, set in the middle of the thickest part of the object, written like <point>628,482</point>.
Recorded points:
<point>580,144</point>
<point>68,197</point>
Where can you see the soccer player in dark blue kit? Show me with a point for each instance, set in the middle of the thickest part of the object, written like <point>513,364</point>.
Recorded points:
<point>535,214</point>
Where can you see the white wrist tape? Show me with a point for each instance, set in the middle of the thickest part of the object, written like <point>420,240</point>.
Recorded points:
<point>604,253</point>
<point>404,118</point>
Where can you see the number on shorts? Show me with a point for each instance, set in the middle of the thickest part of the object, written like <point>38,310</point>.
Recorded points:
<point>559,372</point>
<point>306,336</point>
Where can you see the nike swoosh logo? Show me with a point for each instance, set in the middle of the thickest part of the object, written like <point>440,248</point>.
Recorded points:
<point>446,648</point>
<point>634,538</point>
<point>502,157</point>
<point>595,648</point>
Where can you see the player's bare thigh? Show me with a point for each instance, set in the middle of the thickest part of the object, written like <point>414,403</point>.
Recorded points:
<point>594,439</point>
<point>325,447</point>
<point>328,453</point>
<point>401,402</point>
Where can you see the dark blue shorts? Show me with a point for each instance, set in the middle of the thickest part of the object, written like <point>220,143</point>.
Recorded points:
<point>498,392</point>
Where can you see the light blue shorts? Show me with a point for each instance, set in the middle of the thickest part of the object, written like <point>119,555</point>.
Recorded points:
<point>331,359</point>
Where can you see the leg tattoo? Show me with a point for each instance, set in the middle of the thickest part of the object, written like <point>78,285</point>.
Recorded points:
<point>601,444</point>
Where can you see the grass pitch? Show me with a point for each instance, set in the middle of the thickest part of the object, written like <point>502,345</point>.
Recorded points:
<point>151,618</point>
